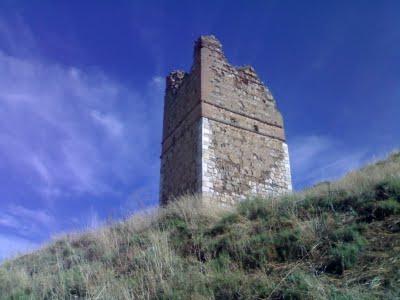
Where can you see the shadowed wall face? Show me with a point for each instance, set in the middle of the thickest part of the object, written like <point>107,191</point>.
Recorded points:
<point>223,134</point>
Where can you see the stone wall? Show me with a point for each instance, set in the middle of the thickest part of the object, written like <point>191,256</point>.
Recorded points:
<point>237,163</point>
<point>223,134</point>
<point>181,163</point>
<point>181,145</point>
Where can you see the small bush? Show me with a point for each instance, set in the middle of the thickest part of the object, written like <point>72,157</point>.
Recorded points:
<point>379,210</point>
<point>263,248</point>
<point>238,285</point>
<point>255,251</point>
<point>388,189</point>
<point>289,244</point>
<point>346,249</point>
<point>225,224</point>
<point>387,208</point>
<point>348,234</point>
<point>253,209</point>
<point>300,285</point>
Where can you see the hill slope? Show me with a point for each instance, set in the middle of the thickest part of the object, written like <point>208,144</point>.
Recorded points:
<point>337,240</point>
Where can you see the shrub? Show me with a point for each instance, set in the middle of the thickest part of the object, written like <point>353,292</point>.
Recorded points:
<point>288,244</point>
<point>263,248</point>
<point>238,285</point>
<point>255,208</point>
<point>373,210</point>
<point>300,285</point>
<point>387,208</point>
<point>387,189</point>
<point>348,243</point>
<point>225,223</point>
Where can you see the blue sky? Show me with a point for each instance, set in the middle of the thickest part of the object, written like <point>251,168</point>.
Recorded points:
<point>81,96</point>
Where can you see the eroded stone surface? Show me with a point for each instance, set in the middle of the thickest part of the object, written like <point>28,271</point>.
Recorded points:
<point>223,135</point>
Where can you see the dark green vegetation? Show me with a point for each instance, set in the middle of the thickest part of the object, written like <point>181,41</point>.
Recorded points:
<point>337,240</point>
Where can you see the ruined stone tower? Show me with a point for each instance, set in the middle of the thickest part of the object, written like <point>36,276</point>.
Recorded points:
<point>223,135</point>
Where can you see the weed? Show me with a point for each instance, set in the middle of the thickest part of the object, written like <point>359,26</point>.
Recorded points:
<point>327,242</point>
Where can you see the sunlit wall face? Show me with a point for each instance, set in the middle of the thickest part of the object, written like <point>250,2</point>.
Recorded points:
<point>81,97</point>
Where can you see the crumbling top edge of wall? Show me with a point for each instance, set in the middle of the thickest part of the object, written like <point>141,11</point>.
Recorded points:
<point>175,79</point>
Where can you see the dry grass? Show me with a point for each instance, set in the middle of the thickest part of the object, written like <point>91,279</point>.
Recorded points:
<point>333,241</point>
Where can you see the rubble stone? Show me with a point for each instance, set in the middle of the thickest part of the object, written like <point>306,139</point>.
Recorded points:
<point>223,136</point>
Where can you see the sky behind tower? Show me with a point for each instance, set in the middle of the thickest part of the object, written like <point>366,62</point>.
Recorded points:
<point>81,96</point>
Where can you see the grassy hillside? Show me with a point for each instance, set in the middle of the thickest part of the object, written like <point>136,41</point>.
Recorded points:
<point>336,240</point>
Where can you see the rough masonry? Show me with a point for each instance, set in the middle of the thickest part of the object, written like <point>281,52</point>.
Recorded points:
<point>223,136</point>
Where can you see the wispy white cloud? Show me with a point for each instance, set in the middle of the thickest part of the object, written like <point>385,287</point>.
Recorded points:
<point>111,124</point>
<point>56,122</point>
<point>157,82</point>
<point>8,220</point>
<point>304,150</point>
<point>11,245</point>
<point>24,220</point>
<point>21,228</point>
<point>318,158</point>
<point>39,216</point>
<point>68,133</point>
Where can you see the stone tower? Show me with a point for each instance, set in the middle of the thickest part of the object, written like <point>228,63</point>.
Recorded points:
<point>223,135</point>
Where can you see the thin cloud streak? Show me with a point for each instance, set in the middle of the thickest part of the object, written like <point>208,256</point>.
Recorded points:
<point>11,245</point>
<point>70,134</point>
<point>110,123</point>
<point>26,222</point>
<point>68,117</point>
<point>318,158</point>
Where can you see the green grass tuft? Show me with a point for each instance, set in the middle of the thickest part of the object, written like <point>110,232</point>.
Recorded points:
<point>337,240</point>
